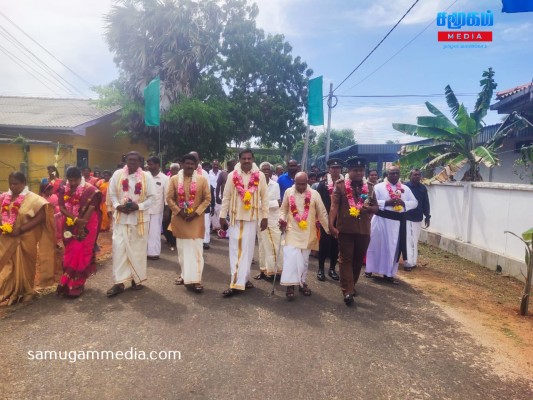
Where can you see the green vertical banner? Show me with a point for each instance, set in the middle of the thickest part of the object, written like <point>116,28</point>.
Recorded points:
<point>315,102</point>
<point>151,103</point>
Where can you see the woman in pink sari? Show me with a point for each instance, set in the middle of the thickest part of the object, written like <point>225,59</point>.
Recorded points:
<point>79,202</point>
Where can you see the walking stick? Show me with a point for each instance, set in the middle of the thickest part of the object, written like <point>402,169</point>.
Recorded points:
<point>276,264</point>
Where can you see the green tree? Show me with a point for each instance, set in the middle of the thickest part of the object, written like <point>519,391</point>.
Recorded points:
<point>339,139</point>
<point>455,144</point>
<point>212,60</point>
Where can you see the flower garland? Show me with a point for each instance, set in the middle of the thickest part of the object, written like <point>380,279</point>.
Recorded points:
<point>355,208</point>
<point>126,182</point>
<point>182,200</point>
<point>72,200</point>
<point>396,194</point>
<point>9,216</point>
<point>301,219</point>
<point>246,194</point>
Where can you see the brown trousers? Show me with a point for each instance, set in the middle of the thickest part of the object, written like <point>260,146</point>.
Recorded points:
<point>352,250</point>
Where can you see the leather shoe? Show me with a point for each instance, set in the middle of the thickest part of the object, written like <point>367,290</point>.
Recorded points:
<point>320,275</point>
<point>333,275</point>
<point>348,299</point>
<point>115,289</point>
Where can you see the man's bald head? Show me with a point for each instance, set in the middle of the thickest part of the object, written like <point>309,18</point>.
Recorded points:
<point>300,182</point>
<point>393,174</point>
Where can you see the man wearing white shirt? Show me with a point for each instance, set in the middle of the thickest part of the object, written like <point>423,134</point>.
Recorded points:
<point>269,239</point>
<point>213,178</point>
<point>131,191</point>
<point>157,208</point>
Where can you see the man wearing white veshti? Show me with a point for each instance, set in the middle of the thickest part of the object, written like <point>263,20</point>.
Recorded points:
<point>188,196</point>
<point>246,201</point>
<point>388,226</point>
<point>269,239</point>
<point>207,213</point>
<point>157,208</point>
<point>300,210</point>
<point>131,192</point>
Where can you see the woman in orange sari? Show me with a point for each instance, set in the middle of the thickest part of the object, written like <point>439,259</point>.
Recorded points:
<point>79,202</point>
<point>26,239</point>
<point>102,185</point>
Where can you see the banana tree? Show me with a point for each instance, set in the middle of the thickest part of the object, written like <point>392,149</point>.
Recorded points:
<point>527,239</point>
<point>455,143</point>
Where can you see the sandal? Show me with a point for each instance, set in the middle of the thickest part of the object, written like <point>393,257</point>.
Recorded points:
<point>260,276</point>
<point>305,290</point>
<point>198,288</point>
<point>290,293</point>
<point>179,281</point>
<point>136,286</point>
<point>249,285</point>
<point>116,289</point>
<point>228,292</point>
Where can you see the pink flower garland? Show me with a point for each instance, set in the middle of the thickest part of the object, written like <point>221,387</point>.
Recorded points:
<point>397,194</point>
<point>355,208</point>
<point>300,219</point>
<point>72,202</point>
<point>10,216</point>
<point>246,195</point>
<point>182,201</point>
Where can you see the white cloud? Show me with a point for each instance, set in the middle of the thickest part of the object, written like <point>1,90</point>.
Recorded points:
<point>72,31</point>
<point>386,12</point>
<point>373,124</point>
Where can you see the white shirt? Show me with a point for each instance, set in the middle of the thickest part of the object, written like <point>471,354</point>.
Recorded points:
<point>161,186</point>
<point>213,178</point>
<point>115,192</point>
<point>273,194</point>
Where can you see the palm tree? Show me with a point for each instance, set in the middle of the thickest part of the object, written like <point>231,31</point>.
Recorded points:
<point>455,144</point>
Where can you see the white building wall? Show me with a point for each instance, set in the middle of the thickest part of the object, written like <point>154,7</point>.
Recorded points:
<point>469,219</point>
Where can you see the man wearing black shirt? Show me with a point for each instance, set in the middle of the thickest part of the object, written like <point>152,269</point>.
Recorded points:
<point>414,218</point>
<point>328,246</point>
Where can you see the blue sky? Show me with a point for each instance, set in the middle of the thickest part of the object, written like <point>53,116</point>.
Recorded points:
<point>331,36</point>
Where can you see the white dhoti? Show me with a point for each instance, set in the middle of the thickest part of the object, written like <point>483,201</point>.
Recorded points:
<point>191,259</point>
<point>413,233</point>
<point>129,253</point>
<point>215,219</point>
<point>241,251</point>
<point>207,222</point>
<point>382,253</point>
<point>154,235</point>
<point>295,266</point>
<point>269,241</point>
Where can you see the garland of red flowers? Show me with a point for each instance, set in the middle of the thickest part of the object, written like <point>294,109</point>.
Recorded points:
<point>126,182</point>
<point>182,200</point>
<point>246,194</point>
<point>397,194</point>
<point>9,216</point>
<point>301,219</point>
<point>72,201</point>
<point>355,208</point>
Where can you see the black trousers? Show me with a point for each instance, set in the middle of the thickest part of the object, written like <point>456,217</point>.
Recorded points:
<point>171,240</point>
<point>327,248</point>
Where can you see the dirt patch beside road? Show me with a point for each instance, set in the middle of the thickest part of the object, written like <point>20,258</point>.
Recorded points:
<point>485,303</point>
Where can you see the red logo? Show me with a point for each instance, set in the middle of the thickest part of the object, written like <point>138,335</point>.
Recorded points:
<point>465,36</point>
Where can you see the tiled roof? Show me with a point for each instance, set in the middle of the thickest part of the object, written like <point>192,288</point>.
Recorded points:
<point>48,113</point>
<point>508,92</point>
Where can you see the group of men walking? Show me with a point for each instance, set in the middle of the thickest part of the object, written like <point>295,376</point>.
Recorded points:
<point>345,219</point>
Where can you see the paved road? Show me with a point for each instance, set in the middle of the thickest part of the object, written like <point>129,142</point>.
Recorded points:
<point>393,345</point>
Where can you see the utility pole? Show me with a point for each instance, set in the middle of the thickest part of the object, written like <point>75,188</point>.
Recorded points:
<point>330,106</point>
<point>306,149</point>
